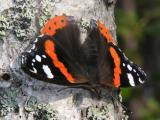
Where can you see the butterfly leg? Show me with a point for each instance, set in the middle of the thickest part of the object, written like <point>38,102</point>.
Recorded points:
<point>94,91</point>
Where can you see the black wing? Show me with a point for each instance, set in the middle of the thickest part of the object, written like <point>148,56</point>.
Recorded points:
<point>131,74</point>
<point>59,59</point>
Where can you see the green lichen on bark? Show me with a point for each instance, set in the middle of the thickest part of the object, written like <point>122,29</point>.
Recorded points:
<point>30,104</point>
<point>17,20</point>
<point>8,102</point>
<point>25,18</point>
<point>84,23</point>
<point>44,112</point>
<point>96,113</point>
<point>3,26</point>
<point>40,111</point>
<point>46,11</point>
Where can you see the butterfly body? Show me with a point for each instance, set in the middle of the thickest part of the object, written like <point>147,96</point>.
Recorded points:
<point>58,56</point>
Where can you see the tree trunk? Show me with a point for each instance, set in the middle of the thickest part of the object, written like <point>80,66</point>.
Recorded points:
<point>24,98</point>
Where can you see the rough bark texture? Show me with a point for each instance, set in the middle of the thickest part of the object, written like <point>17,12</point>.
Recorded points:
<point>22,97</point>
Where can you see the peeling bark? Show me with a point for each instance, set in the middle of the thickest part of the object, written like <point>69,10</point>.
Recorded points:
<point>24,98</point>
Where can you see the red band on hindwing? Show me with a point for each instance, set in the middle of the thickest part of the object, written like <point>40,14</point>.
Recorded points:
<point>50,50</point>
<point>117,69</point>
<point>105,32</point>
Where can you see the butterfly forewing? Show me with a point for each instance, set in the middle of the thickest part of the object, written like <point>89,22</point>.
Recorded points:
<point>131,74</point>
<point>38,64</point>
<point>56,56</point>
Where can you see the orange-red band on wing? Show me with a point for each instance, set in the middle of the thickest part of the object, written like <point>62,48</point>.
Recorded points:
<point>50,50</point>
<point>54,24</point>
<point>117,70</point>
<point>105,32</point>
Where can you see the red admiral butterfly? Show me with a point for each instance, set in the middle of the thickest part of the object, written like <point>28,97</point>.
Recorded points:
<point>59,56</point>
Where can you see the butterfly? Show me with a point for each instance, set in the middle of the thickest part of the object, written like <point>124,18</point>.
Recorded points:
<point>59,56</point>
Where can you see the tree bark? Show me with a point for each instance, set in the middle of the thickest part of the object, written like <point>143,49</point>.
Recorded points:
<point>24,98</point>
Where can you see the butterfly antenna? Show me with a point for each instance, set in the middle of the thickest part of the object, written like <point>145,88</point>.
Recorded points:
<point>123,106</point>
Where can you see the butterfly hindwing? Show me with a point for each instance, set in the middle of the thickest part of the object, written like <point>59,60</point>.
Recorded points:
<point>99,68</point>
<point>125,72</point>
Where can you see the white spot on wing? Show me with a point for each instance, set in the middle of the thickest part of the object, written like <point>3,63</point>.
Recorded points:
<point>38,58</point>
<point>131,62</point>
<point>32,64</point>
<point>22,60</point>
<point>33,71</point>
<point>33,60</point>
<point>43,56</point>
<point>33,46</point>
<point>139,69</point>
<point>47,71</point>
<point>124,64</point>
<point>131,79</point>
<point>29,51</point>
<point>36,40</point>
<point>134,70</point>
<point>41,35</point>
<point>140,80</point>
<point>119,49</point>
<point>125,56</point>
<point>129,67</point>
